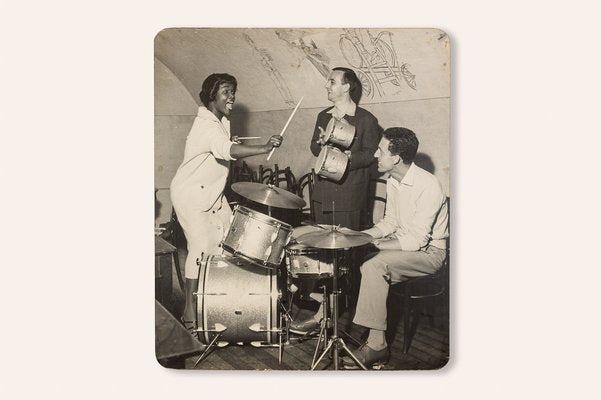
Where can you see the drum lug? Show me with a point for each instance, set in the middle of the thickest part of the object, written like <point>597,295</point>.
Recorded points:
<point>263,344</point>
<point>217,328</point>
<point>208,294</point>
<point>258,328</point>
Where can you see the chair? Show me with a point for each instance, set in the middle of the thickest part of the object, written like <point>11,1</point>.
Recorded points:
<point>264,174</point>
<point>276,176</point>
<point>162,248</point>
<point>307,180</point>
<point>242,174</point>
<point>369,218</point>
<point>171,239</point>
<point>414,293</point>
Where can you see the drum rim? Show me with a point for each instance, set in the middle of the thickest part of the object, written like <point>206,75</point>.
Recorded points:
<point>321,157</point>
<point>263,217</point>
<point>321,162</point>
<point>300,251</point>
<point>328,133</point>
<point>309,275</point>
<point>259,263</point>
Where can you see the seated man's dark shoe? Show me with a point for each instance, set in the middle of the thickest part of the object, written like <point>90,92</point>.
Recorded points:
<point>303,327</point>
<point>368,357</point>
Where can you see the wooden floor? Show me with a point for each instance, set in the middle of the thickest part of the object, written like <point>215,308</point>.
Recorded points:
<point>429,347</point>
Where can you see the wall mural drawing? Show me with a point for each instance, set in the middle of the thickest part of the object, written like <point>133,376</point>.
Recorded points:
<point>294,39</point>
<point>267,62</point>
<point>375,60</point>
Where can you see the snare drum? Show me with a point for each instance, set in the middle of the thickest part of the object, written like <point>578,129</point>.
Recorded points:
<point>331,163</point>
<point>236,295</point>
<point>340,132</point>
<point>308,262</point>
<point>257,237</point>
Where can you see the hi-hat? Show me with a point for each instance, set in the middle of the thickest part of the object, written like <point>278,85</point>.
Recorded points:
<point>269,195</point>
<point>334,238</point>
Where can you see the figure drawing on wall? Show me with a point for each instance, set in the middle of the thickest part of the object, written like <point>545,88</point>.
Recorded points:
<point>267,63</point>
<point>315,55</point>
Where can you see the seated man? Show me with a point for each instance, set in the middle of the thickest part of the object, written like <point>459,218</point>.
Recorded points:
<point>410,239</point>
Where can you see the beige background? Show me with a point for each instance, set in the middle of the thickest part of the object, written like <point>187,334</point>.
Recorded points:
<point>77,119</point>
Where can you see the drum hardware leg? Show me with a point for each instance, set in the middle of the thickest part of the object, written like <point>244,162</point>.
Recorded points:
<point>330,343</point>
<point>325,322</point>
<point>258,328</point>
<point>205,353</point>
<point>336,342</point>
<point>285,310</point>
<point>280,343</point>
<point>351,338</point>
<point>285,319</point>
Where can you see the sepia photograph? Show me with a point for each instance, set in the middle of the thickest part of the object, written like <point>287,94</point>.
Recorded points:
<point>343,199</point>
<point>302,194</point>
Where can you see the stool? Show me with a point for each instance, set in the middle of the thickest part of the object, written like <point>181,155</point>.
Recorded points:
<point>162,247</point>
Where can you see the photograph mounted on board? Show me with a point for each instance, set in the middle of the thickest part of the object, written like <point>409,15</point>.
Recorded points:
<point>302,189</point>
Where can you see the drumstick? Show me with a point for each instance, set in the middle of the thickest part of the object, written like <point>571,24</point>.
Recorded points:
<point>286,126</point>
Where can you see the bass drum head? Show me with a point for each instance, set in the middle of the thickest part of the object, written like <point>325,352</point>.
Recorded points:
<point>236,294</point>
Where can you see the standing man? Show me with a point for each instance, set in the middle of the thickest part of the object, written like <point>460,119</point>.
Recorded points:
<point>349,195</point>
<point>342,202</point>
<point>411,238</point>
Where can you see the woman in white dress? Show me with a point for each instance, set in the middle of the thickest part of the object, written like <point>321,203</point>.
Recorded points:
<point>197,188</point>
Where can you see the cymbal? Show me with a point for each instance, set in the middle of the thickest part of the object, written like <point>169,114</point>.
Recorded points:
<point>334,239</point>
<point>269,195</point>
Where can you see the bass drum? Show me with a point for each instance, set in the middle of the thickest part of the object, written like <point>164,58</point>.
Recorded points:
<point>235,294</point>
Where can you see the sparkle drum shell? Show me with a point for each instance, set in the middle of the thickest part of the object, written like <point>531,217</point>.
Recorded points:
<point>331,163</point>
<point>339,132</point>
<point>257,237</point>
<point>237,294</point>
<point>308,262</point>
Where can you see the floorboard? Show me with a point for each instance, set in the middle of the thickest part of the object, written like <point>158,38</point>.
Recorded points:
<point>429,347</point>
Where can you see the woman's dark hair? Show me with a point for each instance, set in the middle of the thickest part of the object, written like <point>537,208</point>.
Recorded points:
<point>349,76</point>
<point>403,142</point>
<point>210,86</point>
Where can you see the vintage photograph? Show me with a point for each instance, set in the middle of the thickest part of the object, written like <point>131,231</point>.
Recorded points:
<point>302,198</point>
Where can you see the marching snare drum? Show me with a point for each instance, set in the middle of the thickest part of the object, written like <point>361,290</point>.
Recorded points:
<point>308,262</point>
<point>340,132</point>
<point>239,300</point>
<point>258,237</point>
<point>331,163</point>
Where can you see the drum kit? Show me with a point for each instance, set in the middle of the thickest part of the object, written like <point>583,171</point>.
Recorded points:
<point>244,296</point>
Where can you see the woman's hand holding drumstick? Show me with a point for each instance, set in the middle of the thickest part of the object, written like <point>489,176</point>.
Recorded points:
<point>285,126</point>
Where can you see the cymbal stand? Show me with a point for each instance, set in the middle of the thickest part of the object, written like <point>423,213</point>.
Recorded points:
<point>336,342</point>
<point>325,324</point>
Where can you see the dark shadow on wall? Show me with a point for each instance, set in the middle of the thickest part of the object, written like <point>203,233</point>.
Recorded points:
<point>239,121</point>
<point>424,161</point>
<point>157,205</point>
